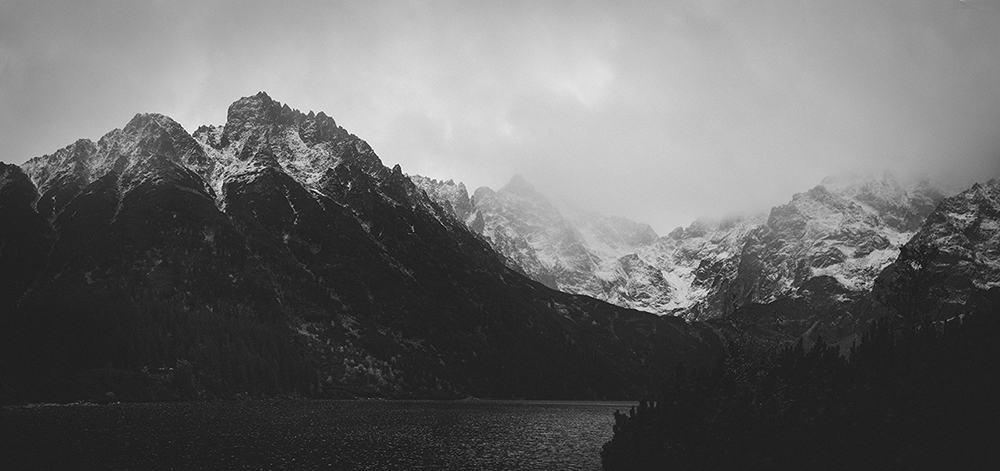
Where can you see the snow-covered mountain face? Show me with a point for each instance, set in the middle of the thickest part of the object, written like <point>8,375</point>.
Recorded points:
<point>842,233</point>
<point>260,133</point>
<point>149,147</point>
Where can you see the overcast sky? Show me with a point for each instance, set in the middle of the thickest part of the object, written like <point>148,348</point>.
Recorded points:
<point>661,111</point>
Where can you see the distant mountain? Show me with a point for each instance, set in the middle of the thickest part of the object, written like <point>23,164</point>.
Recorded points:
<point>826,246</point>
<point>276,254</point>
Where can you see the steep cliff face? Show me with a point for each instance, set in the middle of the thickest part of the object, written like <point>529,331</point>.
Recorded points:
<point>277,253</point>
<point>705,260</point>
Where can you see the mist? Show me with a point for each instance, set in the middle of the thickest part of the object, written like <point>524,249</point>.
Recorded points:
<point>662,112</point>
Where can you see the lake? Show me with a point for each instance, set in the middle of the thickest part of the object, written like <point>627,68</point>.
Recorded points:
<point>303,434</point>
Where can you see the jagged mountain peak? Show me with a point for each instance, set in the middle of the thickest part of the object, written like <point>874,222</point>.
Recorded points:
<point>967,211</point>
<point>259,133</point>
<point>145,119</point>
<point>815,211</point>
<point>260,106</point>
<point>256,110</point>
<point>261,110</point>
<point>991,186</point>
<point>150,145</point>
<point>156,135</point>
<point>75,156</point>
<point>901,206</point>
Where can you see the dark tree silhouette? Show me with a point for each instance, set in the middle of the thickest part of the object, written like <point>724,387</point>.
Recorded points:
<point>913,394</point>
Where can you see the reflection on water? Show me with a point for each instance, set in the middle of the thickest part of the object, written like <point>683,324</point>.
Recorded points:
<point>473,435</point>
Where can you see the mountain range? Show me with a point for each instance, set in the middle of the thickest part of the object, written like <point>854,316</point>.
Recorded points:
<point>845,230</point>
<point>808,268</point>
<point>276,254</point>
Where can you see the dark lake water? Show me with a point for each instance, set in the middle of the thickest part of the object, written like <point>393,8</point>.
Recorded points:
<point>347,435</point>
